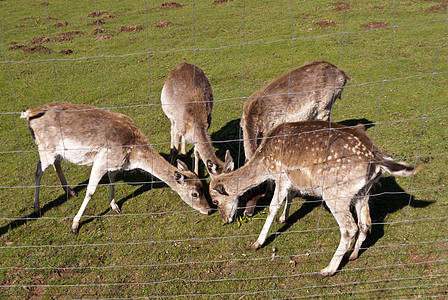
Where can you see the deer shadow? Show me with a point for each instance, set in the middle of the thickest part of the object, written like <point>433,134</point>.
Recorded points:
<point>133,177</point>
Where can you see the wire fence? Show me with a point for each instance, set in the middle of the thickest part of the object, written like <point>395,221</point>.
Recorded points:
<point>158,247</point>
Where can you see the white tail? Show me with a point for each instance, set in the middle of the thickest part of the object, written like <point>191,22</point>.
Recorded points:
<point>87,135</point>
<point>187,100</point>
<point>317,158</point>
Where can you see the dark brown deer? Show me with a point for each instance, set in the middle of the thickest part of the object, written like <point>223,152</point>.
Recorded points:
<point>187,100</point>
<point>306,93</point>
<point>87,135</point>
<point>316,158</point>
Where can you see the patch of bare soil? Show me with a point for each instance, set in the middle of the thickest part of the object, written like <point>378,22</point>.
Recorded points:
<point>40,40</point>
<point>71,33</point>
<point>438,8</point>
<point>171,5</point>
<point>62,38</point>
<point>97,22</point>
<point>325,23</point>
<point>222,1</point>
<point>163,24</point>
<point>67,52</point>
<point>95,14</point>
<point>61,24</point>
<point>96,31</point>
<point>341,6</point>
<point>33,49</point>
<point>108,17</point>
<point>373,25</point>
<point>104,37</point>
<point>130,28</point>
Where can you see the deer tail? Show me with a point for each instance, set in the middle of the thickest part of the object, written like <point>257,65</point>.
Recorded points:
<point>399,168</point>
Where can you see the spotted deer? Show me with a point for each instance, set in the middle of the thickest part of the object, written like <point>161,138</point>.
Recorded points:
<point>187,100</point>
<point>317,158</point>
<point>87,135</point>
<point>306,93</point>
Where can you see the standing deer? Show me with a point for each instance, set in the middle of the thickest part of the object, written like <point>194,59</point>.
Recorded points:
<point>187,100</point>
<point>316,158</point>
<point>306,93</point>
<point>87,135</point>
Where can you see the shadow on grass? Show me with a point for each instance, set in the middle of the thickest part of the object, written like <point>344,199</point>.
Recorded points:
<point>132,178</point>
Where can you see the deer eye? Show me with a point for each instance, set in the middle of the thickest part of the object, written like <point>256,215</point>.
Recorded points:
<point>194,195</point>
<point>215,202</point>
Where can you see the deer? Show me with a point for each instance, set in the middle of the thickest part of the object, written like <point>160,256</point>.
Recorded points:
<point>109,142</point>
<point>317,158</point>
<point>305,93</point>
<point>187,100</point>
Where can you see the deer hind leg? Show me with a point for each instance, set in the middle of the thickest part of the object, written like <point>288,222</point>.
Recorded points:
<point>175,138</point>
<point>196,158</point>
<point>340,208</point>
<point>364,224</point>
<point>112,202</point>
<point>98,170</point>
<point>37,177</point>
<point>285,214</point>
<point>65,186</point>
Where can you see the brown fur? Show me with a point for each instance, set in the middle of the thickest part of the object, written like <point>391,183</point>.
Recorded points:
<point>87,135</point>
<point>306,93</point>
<point>187,100</point>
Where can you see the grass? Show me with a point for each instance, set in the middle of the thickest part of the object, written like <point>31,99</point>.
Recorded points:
<point>396,55</point>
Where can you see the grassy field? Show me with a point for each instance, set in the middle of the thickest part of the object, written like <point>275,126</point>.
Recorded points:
<point>117,55</point>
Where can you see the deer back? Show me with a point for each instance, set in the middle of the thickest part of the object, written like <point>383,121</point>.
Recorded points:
<point>317,153</point>
<point>187,97</point>
<point>305,93</point>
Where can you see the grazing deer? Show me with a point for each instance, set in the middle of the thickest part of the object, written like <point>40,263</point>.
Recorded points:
<point>316,158</point>
<point>187,100</point>
<point>87,135</point>
<point>306,93</point>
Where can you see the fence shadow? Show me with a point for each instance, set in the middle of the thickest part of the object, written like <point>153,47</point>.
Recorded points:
<point>146,182</point>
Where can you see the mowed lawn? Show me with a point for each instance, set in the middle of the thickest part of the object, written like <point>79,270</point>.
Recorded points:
<point>117,55</point>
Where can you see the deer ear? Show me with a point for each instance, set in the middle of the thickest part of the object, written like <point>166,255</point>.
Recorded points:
<point>181,165</point>
<point>212,168</point>
<point>228,164</point>
<point>220,189</point>
<point>179,177</point>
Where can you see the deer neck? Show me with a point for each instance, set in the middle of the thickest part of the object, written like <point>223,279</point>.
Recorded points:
<point>204,146</point>
<point>145,158</point>
<point>251,175</point>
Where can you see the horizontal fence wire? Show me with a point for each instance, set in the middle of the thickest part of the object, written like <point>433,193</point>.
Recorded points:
<point>275,284</point>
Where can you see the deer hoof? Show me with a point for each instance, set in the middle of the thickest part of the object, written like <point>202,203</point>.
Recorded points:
<point>73,193</point>
<point>75,228</point>
<point>254,247</point>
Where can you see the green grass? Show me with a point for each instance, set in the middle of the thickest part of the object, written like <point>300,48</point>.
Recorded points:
<point>158,246</point>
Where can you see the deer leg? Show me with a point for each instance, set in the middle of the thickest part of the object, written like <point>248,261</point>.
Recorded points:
<point>196,158</point>
<point>98,170</point>
<point>112,202</point>
<point>277,199</point>
<point>364,224</point>
<point>174,150</point>
<point>285,214</point>
<point>183,150</point>
<point>250,143</point>
<point>340,208</point>
<point>37,177</point>
<point>65,186</point>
